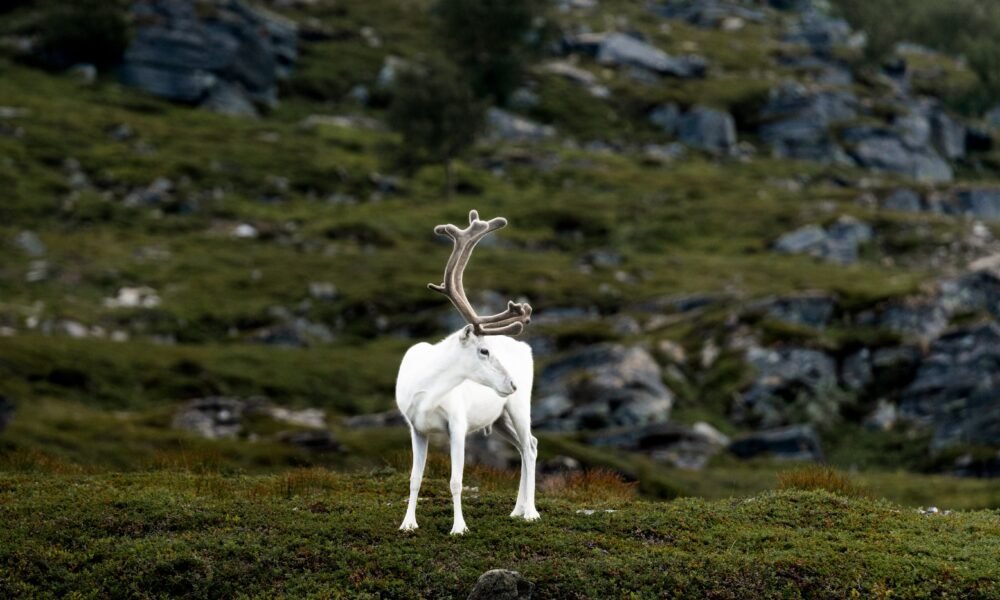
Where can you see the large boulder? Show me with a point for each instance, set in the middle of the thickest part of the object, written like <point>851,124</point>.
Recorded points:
<point>903,200</point>
<point>977,291</point>
<point>708,129</point>
<point>957,386</point>
<point>790,384</point>
<point>797,120</point>
<point>812,309</point>
<point>223,54</point>
<point>882,149</point>
<point>622,50</point>
<point>506,126</point>
<point>601,386</point>
<point>979,203</point>
<point>681,446</point>
<point>820,32</point>
<point>797,442</point>
<point>501,584</point>
<point>840,242</point>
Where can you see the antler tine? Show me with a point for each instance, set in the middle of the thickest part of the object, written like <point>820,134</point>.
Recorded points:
<point>509,322</point>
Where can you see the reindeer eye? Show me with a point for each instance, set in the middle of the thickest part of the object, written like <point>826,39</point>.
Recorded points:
<point>484,351</point>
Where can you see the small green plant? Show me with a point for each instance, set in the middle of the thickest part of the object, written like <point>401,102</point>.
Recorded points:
<point>88,31</point>
<point>490,40</point>
<point>436,113</point>
<point>820,478</point>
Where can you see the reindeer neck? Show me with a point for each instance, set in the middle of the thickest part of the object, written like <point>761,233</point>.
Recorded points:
<point>441,375</point>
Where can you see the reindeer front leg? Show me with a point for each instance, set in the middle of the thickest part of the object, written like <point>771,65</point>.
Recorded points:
<point>457,432</point>
<point>416,476</point>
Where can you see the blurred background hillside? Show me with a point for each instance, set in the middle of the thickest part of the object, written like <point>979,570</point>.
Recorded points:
<point>754,232</point>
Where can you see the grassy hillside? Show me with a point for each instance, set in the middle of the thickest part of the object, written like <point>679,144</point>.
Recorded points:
<point>315,533</point>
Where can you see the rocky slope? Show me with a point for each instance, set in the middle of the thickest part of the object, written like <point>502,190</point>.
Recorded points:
<point>740,240</point>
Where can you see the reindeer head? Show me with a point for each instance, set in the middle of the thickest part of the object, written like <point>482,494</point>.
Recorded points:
<point>487,369</point>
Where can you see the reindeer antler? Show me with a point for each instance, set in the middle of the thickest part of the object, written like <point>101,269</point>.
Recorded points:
<point>508,322</point>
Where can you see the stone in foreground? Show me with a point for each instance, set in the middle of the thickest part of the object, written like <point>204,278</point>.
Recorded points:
<point>501,584</point>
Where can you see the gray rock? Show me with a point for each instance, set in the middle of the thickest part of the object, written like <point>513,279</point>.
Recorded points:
<point>820,32</point>
<point>708,129</point>
<point>228,54</point>
<point>797,120</point>
<point>582,77</point>
<point>624,50</point>
<point>503,125</point>
<point>6,412</point>
<point>992,117</point>
<point>883,150</point>
<point>804,239</point>
<point>797,442</point>
<point>948,135</point>
<point>903,200</point>
<point>790,384</point>
<point>957,386</point>
<point>978,291</point>
<point>810,309</point>
<point>921,317</point>
<point>501,584</point>
<point>389,418</point>
<point>856,373</point>
<point>213,418</point>
<point>228,99</point>
<point>678,445</point>
<point>30,244</point>
<point>601,386</point>
<point>883,418</point>
<point>982,203</point>
<point>708,13</point>
<point>666,117</point>
<point>838,243</point>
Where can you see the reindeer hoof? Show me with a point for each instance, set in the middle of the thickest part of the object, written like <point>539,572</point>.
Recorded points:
<point>408,526</point>
<point>459,529</point>
<point>531,515</point>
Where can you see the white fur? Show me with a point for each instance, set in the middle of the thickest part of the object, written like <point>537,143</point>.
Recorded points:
<point>451,387</point>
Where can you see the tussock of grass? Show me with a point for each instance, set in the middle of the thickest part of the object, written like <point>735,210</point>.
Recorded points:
<point>817,477</point>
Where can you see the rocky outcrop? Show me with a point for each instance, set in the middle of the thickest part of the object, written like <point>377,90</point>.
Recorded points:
<point>501,584</point>
<point>222,417</point>
<point>503,125</point>
<point>838,243</point>
<point>797,122</point>
<point>798,442</point>
<point>223,55</point>
<point>813,309</point>
<point>957,387</point>
<point>622,50</point>
<point>681,446</point>
<point>601,386</point>
<point>790,384</point>
<point>883,149</point>
<point>707,129</point>
<point>980,203</point>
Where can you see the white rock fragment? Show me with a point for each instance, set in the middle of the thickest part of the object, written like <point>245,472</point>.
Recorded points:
<point>245,231</point>
<point>134,297</point>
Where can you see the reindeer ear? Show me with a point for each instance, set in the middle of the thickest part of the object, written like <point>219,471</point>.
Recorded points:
<point>467,332</point>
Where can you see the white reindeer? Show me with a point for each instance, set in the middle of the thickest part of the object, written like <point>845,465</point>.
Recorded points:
<point>474,379</point>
